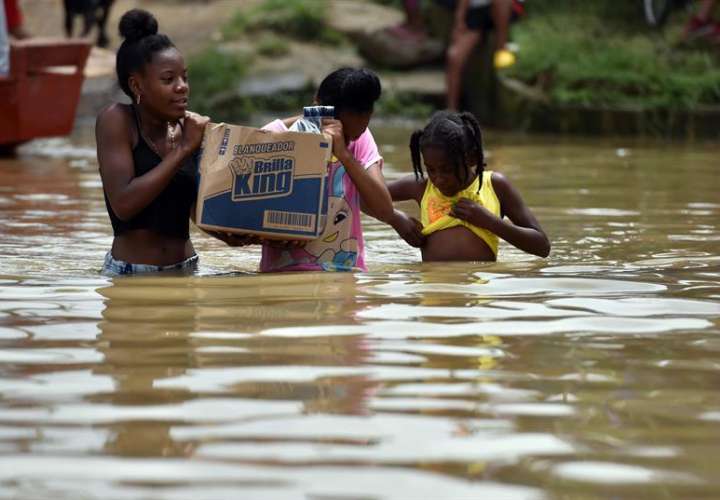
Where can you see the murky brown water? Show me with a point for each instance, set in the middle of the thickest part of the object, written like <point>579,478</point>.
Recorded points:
<point>593,374</point>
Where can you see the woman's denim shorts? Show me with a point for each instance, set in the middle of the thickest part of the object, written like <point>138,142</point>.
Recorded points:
<point>114,267</point>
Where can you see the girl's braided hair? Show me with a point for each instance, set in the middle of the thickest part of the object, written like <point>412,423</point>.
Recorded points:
<point>459,135</point>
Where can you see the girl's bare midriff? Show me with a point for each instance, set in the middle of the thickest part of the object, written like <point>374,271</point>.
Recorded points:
<point>456,243</point>
<point>142,246</point>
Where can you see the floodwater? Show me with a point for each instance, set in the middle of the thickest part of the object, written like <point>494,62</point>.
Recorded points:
<point>592,374</point>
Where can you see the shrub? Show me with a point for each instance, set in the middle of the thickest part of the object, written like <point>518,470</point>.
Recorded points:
<point>301,19</point>
<point>212,73</point>
<point>270,45</point>
<point>585,60</point>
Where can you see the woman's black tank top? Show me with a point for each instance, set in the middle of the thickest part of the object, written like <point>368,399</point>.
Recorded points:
<point>168,213</point>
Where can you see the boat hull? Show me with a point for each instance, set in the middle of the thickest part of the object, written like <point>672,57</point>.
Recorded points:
<point>40,96</point>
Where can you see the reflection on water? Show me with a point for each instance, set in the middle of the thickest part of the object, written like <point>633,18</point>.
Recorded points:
<point>591,374</point>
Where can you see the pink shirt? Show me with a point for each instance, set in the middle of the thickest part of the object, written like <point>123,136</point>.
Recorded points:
<point>341,246</point>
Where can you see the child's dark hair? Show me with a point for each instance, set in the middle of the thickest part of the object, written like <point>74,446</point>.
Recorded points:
<point>459,135</point>
<point>350,89</point>
<point>139,28</point>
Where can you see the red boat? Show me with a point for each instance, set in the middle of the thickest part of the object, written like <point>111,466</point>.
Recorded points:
<point>40,95</point>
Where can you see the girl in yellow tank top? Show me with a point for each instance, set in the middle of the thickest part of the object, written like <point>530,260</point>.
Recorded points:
<point>464,210</point>
<point>435,208</point>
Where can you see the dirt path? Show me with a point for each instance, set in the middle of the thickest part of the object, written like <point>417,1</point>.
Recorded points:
<point>191,25</point>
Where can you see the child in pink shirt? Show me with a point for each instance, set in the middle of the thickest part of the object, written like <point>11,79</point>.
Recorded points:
<point>355,179</point>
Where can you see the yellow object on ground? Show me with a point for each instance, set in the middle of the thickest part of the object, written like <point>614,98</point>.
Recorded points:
<point>504,59</point>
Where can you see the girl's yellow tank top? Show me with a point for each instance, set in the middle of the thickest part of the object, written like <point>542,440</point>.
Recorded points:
<point>435,208</point>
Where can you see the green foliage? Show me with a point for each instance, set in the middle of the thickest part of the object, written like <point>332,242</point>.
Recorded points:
<point>403,104</point>
<point>286,102</point>
<point>584,60</point>
<point>215,76</point>
<point>301,19</point>
<point>391,3</point>
<point>270,44</point>
<point>213,73</point>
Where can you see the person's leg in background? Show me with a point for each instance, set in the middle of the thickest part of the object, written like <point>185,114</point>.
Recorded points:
<point>701,24</point>
<point>413,26</point>
<point>68,17</point>
<point>413,15</point>
<point>103,40</point>
<point>501,12</point>
<point>706,7</point>
<point>14,20</point>
<point>463,42</point>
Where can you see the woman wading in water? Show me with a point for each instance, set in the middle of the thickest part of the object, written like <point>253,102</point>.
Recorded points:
<point>146,154</point>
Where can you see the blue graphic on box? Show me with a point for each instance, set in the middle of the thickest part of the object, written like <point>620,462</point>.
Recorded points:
<point>224,143</point>
<point>255,178</point>
<point>266,196</point>
<point>294,214</point>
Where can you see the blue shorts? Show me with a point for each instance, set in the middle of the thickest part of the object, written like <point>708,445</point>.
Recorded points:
<point>114,267</point>
<point>480,18</point>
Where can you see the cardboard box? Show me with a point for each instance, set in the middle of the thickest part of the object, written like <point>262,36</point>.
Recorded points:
<point>271,184</point>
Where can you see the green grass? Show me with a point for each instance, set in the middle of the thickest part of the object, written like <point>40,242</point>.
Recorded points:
<point>398,4</point>
<point>402,104</point>
<point>301,19</point>
<point>272,45</point>
<point>583,59</point>
<point>216,74</point>
<point>213,73</point>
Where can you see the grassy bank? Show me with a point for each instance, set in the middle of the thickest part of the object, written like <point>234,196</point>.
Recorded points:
<point>299,19</point>
<point>588,54</point>
<point>601,54</point>
<point>215,76</point>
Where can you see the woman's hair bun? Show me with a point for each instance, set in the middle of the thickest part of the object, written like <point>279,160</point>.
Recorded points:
<point>136,24</point>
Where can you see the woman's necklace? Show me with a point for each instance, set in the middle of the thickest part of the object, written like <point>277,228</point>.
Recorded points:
<point>170,137</point>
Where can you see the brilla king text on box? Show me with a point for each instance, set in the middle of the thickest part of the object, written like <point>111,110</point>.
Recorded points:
<point>270,184</point>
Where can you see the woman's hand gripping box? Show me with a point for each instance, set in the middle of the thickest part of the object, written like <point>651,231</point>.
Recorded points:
<point>271,184</point>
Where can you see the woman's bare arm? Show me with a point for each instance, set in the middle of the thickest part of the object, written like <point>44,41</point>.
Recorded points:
<point>369,182</point>
<point>128,194</point>
<point>407,188</point>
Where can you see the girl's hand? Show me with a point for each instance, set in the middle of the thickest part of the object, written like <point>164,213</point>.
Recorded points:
<point>334,129</point>
<point>193,130</point>
<point>285,244</point>
<point>235,240</point>
<point>475,214</point>
<point>459,28</point>
<point>409,229</point>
